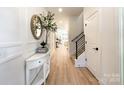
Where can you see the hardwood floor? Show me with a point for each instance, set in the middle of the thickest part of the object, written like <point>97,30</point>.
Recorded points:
<point>63,71</point>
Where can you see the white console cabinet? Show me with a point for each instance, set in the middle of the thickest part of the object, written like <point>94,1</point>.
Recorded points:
<point>37,68</point>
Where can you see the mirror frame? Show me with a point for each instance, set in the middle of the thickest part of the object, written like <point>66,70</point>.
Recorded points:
<point>33,26</point>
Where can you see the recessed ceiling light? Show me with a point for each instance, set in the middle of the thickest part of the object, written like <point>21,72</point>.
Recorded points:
<point>60,10</point>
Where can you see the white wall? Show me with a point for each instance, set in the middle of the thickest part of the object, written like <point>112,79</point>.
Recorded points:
<point>16,43</point>
<point>110,45</point>
<point>80,23</point>
<point>72,33</point>
<point>11,70</point>
<point>75,28</point>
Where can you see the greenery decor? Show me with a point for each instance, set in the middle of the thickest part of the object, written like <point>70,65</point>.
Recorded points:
<point>47,23</point>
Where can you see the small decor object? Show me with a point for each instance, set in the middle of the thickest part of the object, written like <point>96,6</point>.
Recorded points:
<point>36,26</point>
<point>43,44</point>
<point>41,50</point>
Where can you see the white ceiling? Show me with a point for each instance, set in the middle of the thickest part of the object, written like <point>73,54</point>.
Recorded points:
<point>67,11</point>
<point>65,14</point>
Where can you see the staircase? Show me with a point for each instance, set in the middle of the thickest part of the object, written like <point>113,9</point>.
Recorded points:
<point>79,55</point>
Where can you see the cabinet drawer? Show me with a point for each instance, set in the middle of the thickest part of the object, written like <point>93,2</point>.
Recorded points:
<point>37,63</point>
<point>34,64</point>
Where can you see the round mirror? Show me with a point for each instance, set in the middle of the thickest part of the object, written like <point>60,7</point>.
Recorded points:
<point>36,27</point>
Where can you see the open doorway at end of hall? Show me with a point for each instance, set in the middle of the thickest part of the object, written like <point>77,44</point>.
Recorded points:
<point>62,38</point>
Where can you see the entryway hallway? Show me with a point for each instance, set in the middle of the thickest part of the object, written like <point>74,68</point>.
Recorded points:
<point>93,39</point>
<point>63,71</point>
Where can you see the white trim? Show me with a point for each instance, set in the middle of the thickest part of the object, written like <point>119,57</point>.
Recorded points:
<point>32,42</point>
<point>94,73</point>
<point>6,59</point>
<point>121,24</point>
<point>10,44</point>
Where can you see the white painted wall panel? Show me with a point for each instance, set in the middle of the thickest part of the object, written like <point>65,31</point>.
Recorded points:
<point>17,41</point>
<point>9,24</point>
<point>110,45</point>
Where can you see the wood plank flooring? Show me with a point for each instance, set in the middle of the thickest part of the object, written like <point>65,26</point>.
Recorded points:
<point>63,71</point>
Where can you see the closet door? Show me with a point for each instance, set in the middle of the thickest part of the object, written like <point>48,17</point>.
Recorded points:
<point>92,46</point>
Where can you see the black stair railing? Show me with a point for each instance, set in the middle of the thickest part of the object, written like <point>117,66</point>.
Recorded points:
<point>79,44</point>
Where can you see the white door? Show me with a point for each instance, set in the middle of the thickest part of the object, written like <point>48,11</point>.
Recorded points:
<point>92,46</point>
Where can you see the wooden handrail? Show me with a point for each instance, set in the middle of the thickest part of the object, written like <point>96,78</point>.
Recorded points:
<point>80,38</point>
<point>77,36</point>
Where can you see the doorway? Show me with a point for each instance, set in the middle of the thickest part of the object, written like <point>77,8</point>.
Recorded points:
<point>62,37</point>
<point>92,45</point>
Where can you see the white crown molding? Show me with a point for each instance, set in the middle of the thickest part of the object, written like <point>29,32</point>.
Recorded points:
<point>10,44</point>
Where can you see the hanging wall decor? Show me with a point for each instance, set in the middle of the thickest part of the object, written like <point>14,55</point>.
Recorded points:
<point>36,27</point>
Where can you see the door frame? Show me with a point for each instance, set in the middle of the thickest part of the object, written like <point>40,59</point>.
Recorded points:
<point>121,44</point>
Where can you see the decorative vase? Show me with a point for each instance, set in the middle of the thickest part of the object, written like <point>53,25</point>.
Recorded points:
<point>43,44</point>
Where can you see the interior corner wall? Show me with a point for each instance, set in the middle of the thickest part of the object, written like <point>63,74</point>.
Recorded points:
<point>72,33</point>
